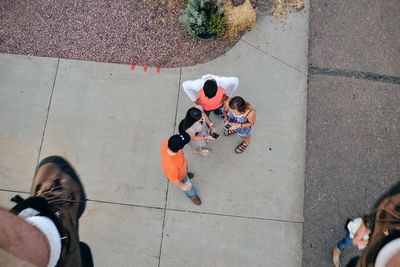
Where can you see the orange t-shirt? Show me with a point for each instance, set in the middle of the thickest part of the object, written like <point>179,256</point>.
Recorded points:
<point>209,104</point>
<point>175,167</point>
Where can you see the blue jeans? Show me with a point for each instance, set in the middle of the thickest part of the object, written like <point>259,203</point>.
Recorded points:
<point>192,192</point>
<point>219,111</point>
<point>346,242</point>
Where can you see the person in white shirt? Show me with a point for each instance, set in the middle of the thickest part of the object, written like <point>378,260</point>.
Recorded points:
<point>210,92</point>
<point>358,232</point>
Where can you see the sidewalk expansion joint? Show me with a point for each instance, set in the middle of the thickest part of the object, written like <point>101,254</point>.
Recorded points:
<point>278,59</point>
<point>48,111</point>
<point>13,191</point>
<point>237,216</point>
<point>166,193</point>
<point>196,212</point>
<point>360,75</point>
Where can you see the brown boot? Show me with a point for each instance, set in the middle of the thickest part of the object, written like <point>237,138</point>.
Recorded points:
<point>196,200</point>
<point>336,256</point>
<point>58,194</point>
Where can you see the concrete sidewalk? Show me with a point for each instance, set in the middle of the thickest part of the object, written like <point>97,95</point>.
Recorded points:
<point>110,121</point>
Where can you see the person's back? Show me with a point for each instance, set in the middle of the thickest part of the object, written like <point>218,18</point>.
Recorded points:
<point>214,102</point>
<point>173,166</point>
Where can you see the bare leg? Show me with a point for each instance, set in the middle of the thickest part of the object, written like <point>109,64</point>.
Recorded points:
<point>246,140</point>
<point>23,240</point>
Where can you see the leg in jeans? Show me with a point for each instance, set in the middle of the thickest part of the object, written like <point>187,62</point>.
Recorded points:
<point>219,111</point>
<point>208,113</point>
<point>191,193</point>
<point>346,242</point>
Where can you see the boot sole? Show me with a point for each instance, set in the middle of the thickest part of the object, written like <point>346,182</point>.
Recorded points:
<point>66,167</point>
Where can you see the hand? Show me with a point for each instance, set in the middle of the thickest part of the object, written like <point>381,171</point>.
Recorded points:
<point>186,187</point>
<point>234,126</point>
<point>209,137</point>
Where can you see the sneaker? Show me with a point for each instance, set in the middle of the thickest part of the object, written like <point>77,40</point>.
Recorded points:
<point>58,194</point>
<point>196,200</point>
<point>190,175</point>
<point>336,256</point>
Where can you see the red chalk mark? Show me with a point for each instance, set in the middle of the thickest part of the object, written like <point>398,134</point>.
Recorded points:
<point>158,70</point>
<point>145,68</point>
<point>133,66</point>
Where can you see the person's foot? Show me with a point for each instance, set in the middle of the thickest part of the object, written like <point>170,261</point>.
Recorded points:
<point>336,256</point>
<point>58,194</point>
<point>221,116</point>
<point>196,200</point>
<point>190,175</point>
<point>205,151</point>
<point>241,148</point>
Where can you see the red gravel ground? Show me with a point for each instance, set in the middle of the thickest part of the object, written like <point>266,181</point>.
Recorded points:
<point>143,32</point>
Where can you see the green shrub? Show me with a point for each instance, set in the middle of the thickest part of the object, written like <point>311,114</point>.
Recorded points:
<point>197,14</point>
<point>216,25</point>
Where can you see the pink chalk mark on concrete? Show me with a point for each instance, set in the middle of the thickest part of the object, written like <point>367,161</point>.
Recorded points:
<point>145,68</point>
<point>133,66</point>
<point>158,70</point>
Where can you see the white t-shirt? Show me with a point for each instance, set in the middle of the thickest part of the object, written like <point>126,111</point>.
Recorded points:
<point>353,227</point>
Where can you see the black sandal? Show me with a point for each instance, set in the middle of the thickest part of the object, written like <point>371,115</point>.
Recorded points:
<point>240,148</point>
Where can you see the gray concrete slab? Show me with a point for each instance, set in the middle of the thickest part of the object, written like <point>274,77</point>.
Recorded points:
<point>260,182</point>
<point>5,197</point>
<point>121,235</point>
<point>118,235</point>
<point>26,84</point>
<point>110,122</point>
<point>283,38</point>
<point>356,35</point>
<point>353,148</point>
<point>210,240</point>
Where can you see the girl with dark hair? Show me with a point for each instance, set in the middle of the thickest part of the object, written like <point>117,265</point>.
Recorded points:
<point>240,116</point>
<point>196,123</point>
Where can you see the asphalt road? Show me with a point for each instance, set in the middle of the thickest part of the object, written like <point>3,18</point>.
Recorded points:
<point>353,110</point>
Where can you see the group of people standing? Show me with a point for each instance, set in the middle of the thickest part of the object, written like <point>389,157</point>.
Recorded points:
<point>210,94</point>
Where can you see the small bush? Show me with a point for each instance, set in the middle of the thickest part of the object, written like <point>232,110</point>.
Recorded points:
<point>197,14</point>
<point>216,25</point>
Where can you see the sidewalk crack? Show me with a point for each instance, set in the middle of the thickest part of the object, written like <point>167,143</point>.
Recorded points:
<point>278,59</point>
<point>48,111</point>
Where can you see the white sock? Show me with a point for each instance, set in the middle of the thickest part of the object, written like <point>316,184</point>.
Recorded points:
<point>47,227</point>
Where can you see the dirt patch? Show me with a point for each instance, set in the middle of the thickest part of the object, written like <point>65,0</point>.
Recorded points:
<point>144,32</point>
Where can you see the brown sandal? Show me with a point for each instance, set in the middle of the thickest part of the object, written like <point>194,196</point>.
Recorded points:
<point>229,132</point>
<point>240,148</point>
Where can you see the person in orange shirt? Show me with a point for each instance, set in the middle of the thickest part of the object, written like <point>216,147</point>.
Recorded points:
<point>174,165</point>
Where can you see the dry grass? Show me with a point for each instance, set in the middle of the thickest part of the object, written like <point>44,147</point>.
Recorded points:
<point>240,18</point>
<point>281,7</point>
<point>278,8</point>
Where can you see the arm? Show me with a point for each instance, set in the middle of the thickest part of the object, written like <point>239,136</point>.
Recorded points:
<point>226,108</point>
<point>252,119</point>
<point>358,237</point>
<point>230,84</point>
<point>198,137</point>
<point>209,123</point>
<point>178,182</point>
<point>191,88</point>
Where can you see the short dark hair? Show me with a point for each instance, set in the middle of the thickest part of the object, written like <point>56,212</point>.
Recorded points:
<point>210,88</point>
